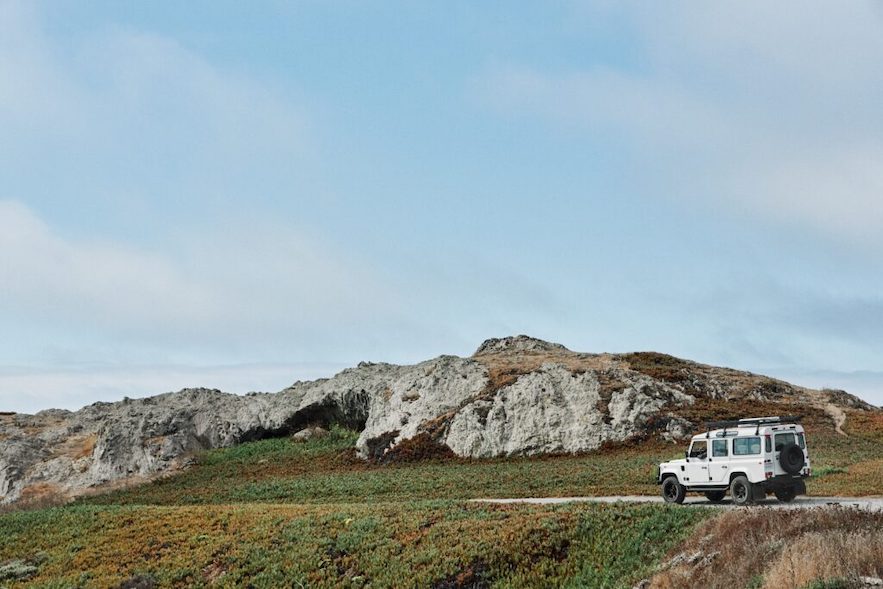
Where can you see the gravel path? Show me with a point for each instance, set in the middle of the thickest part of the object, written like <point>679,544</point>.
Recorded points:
<point>870,503</point>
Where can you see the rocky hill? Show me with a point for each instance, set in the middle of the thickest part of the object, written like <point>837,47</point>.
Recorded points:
<point>514,396</point>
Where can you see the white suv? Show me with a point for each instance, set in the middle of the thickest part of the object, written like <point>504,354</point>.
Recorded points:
<point>748,457</point>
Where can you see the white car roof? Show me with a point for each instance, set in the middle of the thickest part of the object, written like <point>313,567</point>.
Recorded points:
<point>749,429</point>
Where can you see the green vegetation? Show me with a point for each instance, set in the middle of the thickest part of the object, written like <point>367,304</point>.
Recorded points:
<point>416,544</point>
<point>848,465</point>
<point>327,471</point>
<point>277,513</point>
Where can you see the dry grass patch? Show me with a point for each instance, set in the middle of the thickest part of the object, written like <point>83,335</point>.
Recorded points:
<point>836,554</point>
<point>504,369</point>
<point>38,496</point>
<point>781,549</point>
<point>76,447</point>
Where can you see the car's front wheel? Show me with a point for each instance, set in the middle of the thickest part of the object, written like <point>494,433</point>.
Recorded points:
<point>740,489</point>
<point>672,490</point>
<point>786,495</point>
<point>715,496</point>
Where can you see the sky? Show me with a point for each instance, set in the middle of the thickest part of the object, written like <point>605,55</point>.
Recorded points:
<point>242,195</point>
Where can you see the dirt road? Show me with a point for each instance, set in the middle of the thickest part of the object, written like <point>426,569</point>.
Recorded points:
<point>870,503</point>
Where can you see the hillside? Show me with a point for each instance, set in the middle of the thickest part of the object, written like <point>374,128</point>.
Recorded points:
<point>234,499</point>
<point>285,513</point>
<point>515,396</point>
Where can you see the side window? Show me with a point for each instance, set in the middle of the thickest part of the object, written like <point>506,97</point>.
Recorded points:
<point>769,443</point>
<point>782,439</point>
<point>699,449</point>
<point>801,441</point>
<point>719,448</point>
<point>746,446</point>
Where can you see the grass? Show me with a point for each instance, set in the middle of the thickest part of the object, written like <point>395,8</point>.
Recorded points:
<point>850,465</point>
<point>778,549</point>
<point>277,513</point>
<point>416,544</point>
<point>327,471</point>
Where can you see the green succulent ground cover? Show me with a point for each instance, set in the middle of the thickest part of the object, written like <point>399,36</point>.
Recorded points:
<point>411,544</point>
<point>275,513</point>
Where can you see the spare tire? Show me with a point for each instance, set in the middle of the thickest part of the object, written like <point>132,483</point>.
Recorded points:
<point>791,458</point>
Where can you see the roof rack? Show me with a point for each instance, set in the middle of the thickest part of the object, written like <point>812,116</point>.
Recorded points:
<point>751,421</point>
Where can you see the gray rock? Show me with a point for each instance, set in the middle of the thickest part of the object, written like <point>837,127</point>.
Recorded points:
<point>17,570</point>
<point>310,433</point>
<point>515,396</point>
<point>517,343</point>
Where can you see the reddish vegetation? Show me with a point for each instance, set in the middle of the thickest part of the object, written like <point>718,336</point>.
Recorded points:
<point>504,369</point>
<point>658,366</point>
<point>87,446</point>
<point>37,496</point>
<point>417,449</point>
<point>719,409</point>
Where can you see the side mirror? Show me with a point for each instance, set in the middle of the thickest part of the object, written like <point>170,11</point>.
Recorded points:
<point>687,455</point>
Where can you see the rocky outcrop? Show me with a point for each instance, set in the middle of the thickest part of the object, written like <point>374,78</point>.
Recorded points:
<point>515,395</point>
<point>517,344</point>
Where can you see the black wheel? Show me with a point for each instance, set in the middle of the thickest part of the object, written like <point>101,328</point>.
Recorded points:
<point>672,490</point>
<point>791,458</point>
<point>715,496</point>
<point>740,489</point>
<point>786,495</point>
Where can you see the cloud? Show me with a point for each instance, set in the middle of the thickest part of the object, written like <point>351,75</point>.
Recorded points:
<point>255,283</point>
<point>149,174</point>
<point>139,119</point>
<point>734,107</point>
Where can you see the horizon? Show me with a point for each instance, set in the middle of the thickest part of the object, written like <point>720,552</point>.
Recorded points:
<point>239,197</point>
<point>315,372</point>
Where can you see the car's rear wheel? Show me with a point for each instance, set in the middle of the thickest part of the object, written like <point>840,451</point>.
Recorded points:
<point>672,490</point>
<point>715,496</point>
<point>741,489</point>
<point>786,495</point>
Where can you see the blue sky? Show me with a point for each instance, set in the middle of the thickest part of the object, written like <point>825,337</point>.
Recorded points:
<point>240,195</point>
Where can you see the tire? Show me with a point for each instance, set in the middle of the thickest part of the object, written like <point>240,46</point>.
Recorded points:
<point>740,489</point>
<point>786,495</point>
<point>791,458</point>
<point>672,490</point>
<point>715,496</point>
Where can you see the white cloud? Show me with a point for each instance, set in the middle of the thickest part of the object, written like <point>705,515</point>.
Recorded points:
<point>258,282</point>
<point>139,118</point>
<point>45,274</point>
<point>119,130</point>
<point>765,109</point>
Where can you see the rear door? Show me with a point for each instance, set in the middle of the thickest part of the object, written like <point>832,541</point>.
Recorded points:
<point>780,440</point>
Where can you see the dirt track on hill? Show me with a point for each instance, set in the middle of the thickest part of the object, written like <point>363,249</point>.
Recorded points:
<point>869,503</point>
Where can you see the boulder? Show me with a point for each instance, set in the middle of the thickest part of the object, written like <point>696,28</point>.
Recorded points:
<point>310,433</point>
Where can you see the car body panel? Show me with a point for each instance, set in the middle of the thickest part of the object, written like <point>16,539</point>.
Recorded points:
<point>749,449</point>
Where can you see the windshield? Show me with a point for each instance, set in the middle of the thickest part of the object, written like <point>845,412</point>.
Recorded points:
<point>698,449</point>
